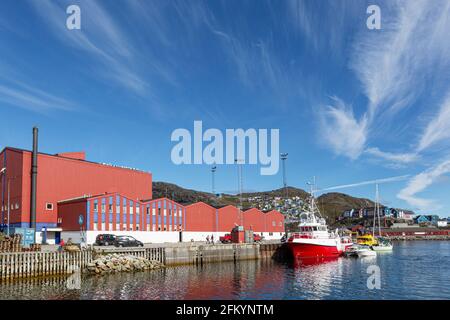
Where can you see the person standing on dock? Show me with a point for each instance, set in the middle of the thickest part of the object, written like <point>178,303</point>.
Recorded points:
<point>61,245</point>
<point>207,239</point>
<point>212,239</point>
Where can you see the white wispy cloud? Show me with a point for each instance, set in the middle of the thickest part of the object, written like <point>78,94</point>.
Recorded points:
<point>31,98</point>
<point>393,66</point>
<point>340,130</point>
<point>307,19</point>
<point>101,37</point>
<point>394,157</point>
<point>368,182</point>
<point>395,63</point>
<point>421,182</point>
<point>438,129</point>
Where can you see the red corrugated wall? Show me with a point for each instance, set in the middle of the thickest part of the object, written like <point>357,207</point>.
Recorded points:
<point>277,218</point>
<point>63,178</point>
<point>68,214</point>
<point>228,218</point>
<point>200,217</point>
<point>254,219</point>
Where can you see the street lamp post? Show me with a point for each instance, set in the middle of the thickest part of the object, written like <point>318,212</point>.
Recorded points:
<point>9,205</point>
<point>284,157</point>
<point>213,171</point>
<point>3,171</point>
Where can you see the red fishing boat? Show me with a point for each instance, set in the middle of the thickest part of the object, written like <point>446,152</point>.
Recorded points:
<point>314,240</point>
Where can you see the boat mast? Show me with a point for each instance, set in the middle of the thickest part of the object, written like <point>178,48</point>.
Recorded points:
<point>376,214</point>
<point>376,210</point>
<point>379,222</point>
<point>313,207</point>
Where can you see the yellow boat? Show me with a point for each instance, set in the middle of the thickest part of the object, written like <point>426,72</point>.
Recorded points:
<point>367,240</point>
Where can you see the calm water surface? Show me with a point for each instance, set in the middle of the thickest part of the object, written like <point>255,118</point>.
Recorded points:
<point>414,270</point>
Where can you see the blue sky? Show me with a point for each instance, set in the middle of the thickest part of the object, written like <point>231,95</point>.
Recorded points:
<point>352,104</point>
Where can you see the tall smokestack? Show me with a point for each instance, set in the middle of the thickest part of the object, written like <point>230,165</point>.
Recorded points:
<point>34,180</point>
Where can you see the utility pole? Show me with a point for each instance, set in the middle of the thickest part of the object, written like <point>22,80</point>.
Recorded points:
<point>3,172</point>
<point>8,183</point>
<point>213,182</point>
<point>9,203</point>
<point>283,163</point>
<point>240,186</point>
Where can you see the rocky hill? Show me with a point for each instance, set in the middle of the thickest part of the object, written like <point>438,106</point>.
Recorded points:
<point>333,204</point>
<point>330,204</point>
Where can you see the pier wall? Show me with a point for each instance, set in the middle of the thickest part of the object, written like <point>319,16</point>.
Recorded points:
<point>40,264</point>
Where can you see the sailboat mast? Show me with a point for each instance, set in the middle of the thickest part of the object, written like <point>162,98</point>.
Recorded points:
<point>379,222</point>
<point>376,209</point>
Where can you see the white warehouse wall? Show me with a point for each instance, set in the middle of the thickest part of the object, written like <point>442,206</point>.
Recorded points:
<point>158,236</point>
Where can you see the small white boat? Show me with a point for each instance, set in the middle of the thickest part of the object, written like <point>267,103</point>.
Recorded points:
<point>365,252</point>
<point>383,248</point>
<point>383,245</point>
<point>351,251</point>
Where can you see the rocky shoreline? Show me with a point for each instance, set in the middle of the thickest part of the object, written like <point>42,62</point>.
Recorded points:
<point>113,263</point>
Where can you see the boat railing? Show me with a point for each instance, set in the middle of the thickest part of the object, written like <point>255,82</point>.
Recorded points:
<point>307,235</point>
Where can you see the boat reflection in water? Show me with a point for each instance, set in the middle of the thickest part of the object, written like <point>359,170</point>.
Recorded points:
<point>318,278</point>
<point>305,262</point>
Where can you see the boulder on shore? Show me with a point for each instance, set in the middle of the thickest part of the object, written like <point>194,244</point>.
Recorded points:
<point>121,263</point>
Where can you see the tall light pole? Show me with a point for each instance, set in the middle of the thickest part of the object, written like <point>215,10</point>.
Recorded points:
<point>3,171</point>
<point>240,186</point>
<point>9,205</point>
<point>213,185</point>
<point>284,157</point>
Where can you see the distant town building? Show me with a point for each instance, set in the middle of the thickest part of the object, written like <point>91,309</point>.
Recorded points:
<point>442,223</point>
<point>427,219</point>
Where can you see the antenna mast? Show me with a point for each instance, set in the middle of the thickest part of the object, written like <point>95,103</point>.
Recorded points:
<point>283,159</point>
<point>213,183</point>
<point>240,185</point>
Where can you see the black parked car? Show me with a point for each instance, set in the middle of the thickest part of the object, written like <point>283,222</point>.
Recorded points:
<point>105,239</point>
<point>127,241</point>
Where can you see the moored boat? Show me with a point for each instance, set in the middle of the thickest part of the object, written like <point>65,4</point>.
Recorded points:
<point>365,251</point>
<point>383,245</point>
<point>314,240</point>
<point>351,251</point>
<point>380,243</point>
<point>366,240</point>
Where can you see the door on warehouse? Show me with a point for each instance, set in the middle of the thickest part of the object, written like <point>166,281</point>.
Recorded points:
<point>57,237</point>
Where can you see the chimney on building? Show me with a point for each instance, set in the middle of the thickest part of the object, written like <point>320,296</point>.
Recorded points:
<point>34,171</point>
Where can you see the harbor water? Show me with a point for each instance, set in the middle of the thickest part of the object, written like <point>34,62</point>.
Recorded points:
<point>414,270</point>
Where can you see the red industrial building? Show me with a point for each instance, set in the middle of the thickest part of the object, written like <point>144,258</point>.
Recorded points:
<point>61,176</point>
<point>160,220</point>
<point>109,199</point>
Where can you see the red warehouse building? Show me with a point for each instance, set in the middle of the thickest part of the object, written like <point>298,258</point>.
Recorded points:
<point>80,199</point>
<point>158,220</point>
<point>59,177</point>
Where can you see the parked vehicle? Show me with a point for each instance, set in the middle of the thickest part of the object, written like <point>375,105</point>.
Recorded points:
<point>105,239</point>
<point>127,241</point>
<point>226,238</point>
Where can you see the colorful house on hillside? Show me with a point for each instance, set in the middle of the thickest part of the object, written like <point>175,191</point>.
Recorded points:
<point>431,219</point>
<point>421,219</point>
